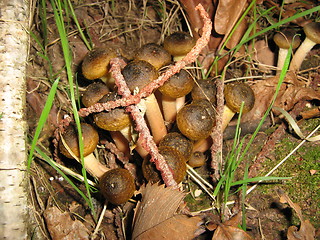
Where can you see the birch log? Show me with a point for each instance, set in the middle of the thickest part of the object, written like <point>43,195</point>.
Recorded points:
<point>14,217</point>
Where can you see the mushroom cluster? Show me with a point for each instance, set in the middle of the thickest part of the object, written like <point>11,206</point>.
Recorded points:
<point>179,113</point>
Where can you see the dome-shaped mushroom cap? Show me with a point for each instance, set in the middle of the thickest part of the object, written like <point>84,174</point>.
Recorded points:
<point>178,85</point>
<point>175,161</point>
<point>312,31</point>
<point>235,93</point>
<point>154,54</point>
<point>96,62</point>
<point>285,38</point>
<point>117,185</point>
<point>179,43</point>
<point>138,74</point>
<point>204,89</point>
<point>90,140</point>
<point>195,121</point>
<point>114,120</point>
<point>179,142</point>
<point>94,92</point>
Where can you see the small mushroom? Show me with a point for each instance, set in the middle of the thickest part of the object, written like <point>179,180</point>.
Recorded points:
<point>154,54</point>
<point>196,121</point>
<point>179,142</point>
<point>175,161</point>
<point>312,32</point>
<point>93,93</point>
<point>137,75</point>
<point>235,93</point>
<point>179,44</point>
<point>204,89</point>
<point>96,64</point>
<point>116,185</point>
<point>284,40</point>
<point>173,91</point>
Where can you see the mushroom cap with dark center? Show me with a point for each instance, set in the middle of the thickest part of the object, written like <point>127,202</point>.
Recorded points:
<point>235,93</point>
<point>179,85</point>
<point>138,74</point>
<point>312,31</point>
<point>179,142</point>
<point>90,140</point>
<point>195,121</point>
<point>154,54</point>
<point>114,120</point>
<point>179,43</point>
<point>94,92</point>
<point>174,159</point>
<point>204,89</point>
<point>285,38</point>
<point>96,63</point>
<point>117,185</point>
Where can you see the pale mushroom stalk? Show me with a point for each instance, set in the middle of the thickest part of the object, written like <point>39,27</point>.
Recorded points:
<point>312,31</point>
<point>284,40</point>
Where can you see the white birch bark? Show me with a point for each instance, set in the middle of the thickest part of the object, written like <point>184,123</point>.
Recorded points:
<point>14,17</point>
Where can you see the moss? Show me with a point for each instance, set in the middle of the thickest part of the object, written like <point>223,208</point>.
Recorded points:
<point>303,188</point>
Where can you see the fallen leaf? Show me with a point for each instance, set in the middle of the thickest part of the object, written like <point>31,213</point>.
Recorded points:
<point>313,171</point>
<point>229,230</point>
<point>306,231</point>
<point>156,218</point>
<point>62,227</point>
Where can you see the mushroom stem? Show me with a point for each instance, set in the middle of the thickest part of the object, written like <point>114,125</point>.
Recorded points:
<point>93,166</point>
<point>169,108</point>
<point>226,117</point>
<point>300,54</point>
<point>155,118</point>
<point>282,54</point>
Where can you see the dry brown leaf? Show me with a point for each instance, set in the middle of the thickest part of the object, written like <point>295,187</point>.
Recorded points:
<point>229,230</point>
<point>177,227</point>
<point>292,91</point>
<point>262,54</point>
<point>306,231</point>
<point>224,232</point>
<point>62,227</point>
<point>156,212</point>
<point>228,13</point>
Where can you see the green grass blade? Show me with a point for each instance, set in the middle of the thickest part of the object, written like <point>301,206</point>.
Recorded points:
<point>42,120</point>
<point>51,163</point>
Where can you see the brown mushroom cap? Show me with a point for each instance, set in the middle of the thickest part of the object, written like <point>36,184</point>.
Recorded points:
<point>113,120</point>
<point>312,31</point>
<point>90,140</point>
<point>154,54</point>
<point>138,74</point>
<point>174,159</point>
<point>179,142</point>
<point>94,92</point>
<point>179,43</point>
<point>235,93</point>
<point>117,186</point>
<point>204,89</point>
<point>285,38</point>
<point>179,85</point>
<point>195,121</point>
<point>197,159</point>
<point>96,63</point>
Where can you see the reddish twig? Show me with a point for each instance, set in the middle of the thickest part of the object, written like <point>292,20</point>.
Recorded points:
<point>147,90</point>
<point>141,126</point>
<point>217,134</point>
